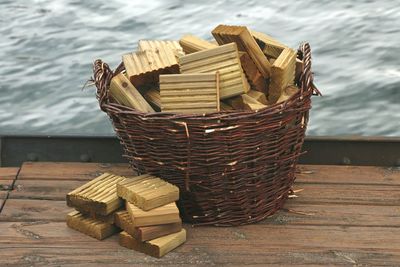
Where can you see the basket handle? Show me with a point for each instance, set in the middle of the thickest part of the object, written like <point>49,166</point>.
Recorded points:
<point>307,76</point>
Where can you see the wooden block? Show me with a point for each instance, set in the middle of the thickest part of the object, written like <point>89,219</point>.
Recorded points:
<point>157,247</point>
<point>126,94</point>
<point>110,218</point>
<point>287,93</point>
<point>160,45</point>
<point>123,220</point>
<point>191,44</point>
<point>245,102</point>
<point>270,47</point>
<point>256,80</point>
<point>259,96</point>
<point>147,191</point>
<point>97,196</point>
<point>89,226</point>
<point>299,68</point>
<point>152,95</point>
<point>190,93</point>
<point>242,37</point>
<point>225,60</point>
<point>161,215</point>
<point>224,106</point>
<point>144,67</point>
<point>282,74</point>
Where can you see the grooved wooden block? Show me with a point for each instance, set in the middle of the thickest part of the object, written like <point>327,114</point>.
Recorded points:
<point>161,44</point>
<point>287,93</point>
<point>147,191</point>
<point>161,215</point>
<point>225,60</point>
<point>126,94</point>
<point>246,102</point>
<point>144,67</point>
<point>190,93</point>
<point>191,44</point>
<point>97,196</point>
<point>89,226</point>
<point>259,96</point>
<point>255,78</point>
<point>152,95</point>
<point>242,37</point>
<point>123,220</point>
<point>110,218</point>
<point>271,47</point>
<point>282,74</point>
<point>157,247</point>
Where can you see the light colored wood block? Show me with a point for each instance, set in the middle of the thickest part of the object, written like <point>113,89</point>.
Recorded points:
<point>299,68</point>
<point>152,95</point>
<point>147,191</point>
<point>123,220</point>
<point>259,96</point>
<point>160,45</point>
<point>256,80</point>
<point>245,102</point>
<point>282,74</point>
<point>144,67</point>
<point>161,215</point>
<point>225,60</point>
<point>191,44</point>
<point>126,94</point>
<point>190,93</point>
<point>270,47</point>
<point>157,247</point>
<point>91,227</point>
<point>110,218</point>
<point>287,93</point>
<point>97,196</point>
<point>242,37</point>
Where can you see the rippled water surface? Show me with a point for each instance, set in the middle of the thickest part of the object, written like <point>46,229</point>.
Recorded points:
<point>47,48</point>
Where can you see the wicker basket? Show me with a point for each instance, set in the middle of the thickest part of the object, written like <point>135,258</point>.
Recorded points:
<point>233,167</point>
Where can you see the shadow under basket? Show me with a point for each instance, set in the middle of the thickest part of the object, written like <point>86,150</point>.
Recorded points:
<point>232,167</point>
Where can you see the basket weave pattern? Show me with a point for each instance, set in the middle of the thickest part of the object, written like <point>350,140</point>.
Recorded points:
<point>232,168</point>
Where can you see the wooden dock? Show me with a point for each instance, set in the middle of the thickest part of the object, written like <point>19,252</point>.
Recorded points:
<point>344,215</point>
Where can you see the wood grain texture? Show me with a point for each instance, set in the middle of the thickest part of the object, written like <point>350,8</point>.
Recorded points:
<point>97,196</point>
<point>256,80</point>
<point>287,93</point>
<point>126,94</point>
<point>89,226</point>
<point>71,170</point>
<point>161,45</point>
<point>144,67</point>
<point>157,247</point>
<point>147,191</point>
<point>191,44</point>
<point>271,47</point>
<point>242,37</point>
<point>152,95</point>
<point>190,93</point>
<point>162,215</point>
<point>245,102</point>
<point>225,60</point>
<point>123,220</point>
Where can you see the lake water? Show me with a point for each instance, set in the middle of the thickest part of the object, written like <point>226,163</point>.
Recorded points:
<point>47,49</point>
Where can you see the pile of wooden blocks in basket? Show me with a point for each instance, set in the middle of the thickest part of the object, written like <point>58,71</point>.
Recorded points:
<point>143,207</point>
<point>242,70</point>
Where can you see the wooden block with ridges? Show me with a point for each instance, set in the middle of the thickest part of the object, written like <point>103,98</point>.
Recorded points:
<point>126,94</point>
<point>191,44</point>
<point>143,233</point>
<point>97,196</point>
<point>110,218</point>
<point>152,95</point>
<point>157,247</point>
<point>270,47</point>
<point>256,80</point>
<point>161,44</point>
<point>282,74</point>
<point>162,215</point>
<point>287,93</point>
<point>245,102</point>
<point>147,191</point>
<point>225,60</point>
<point>190,93</point>
<point>89,226</point>
<point>242,37</point>
<point>144,67</point>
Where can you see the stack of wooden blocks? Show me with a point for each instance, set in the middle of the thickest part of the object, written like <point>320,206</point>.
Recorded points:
<point>242,70</point>
<point>143,207</point>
